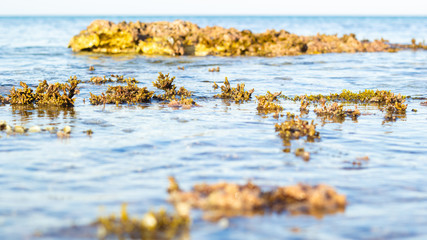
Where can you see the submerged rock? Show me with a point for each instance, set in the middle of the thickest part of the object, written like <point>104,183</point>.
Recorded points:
<point>229,199</point>
<point>186,38</point>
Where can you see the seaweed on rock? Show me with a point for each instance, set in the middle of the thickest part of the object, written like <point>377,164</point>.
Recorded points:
<point>186,38</point>
<point>230,200</point>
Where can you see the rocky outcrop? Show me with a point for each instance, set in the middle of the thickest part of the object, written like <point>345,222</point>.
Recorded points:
<point>186,38</point>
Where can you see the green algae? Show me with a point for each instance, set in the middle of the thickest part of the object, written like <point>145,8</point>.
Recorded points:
<point>237,94</point>
<point>153,225</point>
<point>45,94</point>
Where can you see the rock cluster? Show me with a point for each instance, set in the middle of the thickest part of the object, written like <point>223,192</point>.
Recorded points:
<point>186,38</point>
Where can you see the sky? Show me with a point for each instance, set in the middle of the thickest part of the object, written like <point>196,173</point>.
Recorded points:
<point>214,7</point>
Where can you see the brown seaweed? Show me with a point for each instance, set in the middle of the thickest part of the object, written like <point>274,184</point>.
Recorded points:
<point>230,200</point>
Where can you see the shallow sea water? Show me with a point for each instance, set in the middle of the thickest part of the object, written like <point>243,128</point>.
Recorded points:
<point>48,184</point>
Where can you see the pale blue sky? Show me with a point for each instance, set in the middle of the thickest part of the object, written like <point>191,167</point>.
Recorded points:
<point>214,7</point>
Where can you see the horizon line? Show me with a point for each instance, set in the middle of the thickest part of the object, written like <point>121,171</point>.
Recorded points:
<point>209,15</point>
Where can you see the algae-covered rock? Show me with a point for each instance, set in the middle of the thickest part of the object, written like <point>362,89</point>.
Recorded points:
<point>186,38</point>
<point>228,199</point>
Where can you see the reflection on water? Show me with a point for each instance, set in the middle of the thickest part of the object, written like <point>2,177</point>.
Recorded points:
<point>26,113</point>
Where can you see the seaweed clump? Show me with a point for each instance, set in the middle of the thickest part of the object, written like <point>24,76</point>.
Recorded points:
<point>266,103</point>
<point>230,200</point>
<point>295,128</point>
<point>4,100</point>
<point>176,98</point>
<point>366,96</point>
<point>46,94</point>
<point>153,225</point>
<point>118,79</point>
<point>237,94</point>
<point>336,112</point>
<point>130,94</point>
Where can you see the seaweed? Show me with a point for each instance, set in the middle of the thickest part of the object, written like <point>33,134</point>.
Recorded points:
<point>153,225</point>
<point>214,69</point>
<point>237,94</point>
<point>336,111</point>
<point>130,94</point>
<point>175,98</point>
<point>46,94</point>
<point>230,200</point>
<point>119,79</point>
<point>294,128</point>
<point>266,103</point>
<point>366,96</point>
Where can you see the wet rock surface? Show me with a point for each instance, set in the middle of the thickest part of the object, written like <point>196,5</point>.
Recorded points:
<point>186,38</point>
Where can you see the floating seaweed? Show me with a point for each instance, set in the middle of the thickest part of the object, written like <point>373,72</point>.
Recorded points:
<point>300,152</point>
<point>181,68</point>
<point>176,98</point>
<point>186,38</point>
<point>230,200</point>
<point>46,94</point>
<point>215,86</point>
<point>118,79</point>
<point>266,103</point>
<point>91,68</point>
<point>294,128</point>
<point>4,100</point>
<point>336,111</point>
<point>130,94</point>
<point>153,225</point>
<point>214,69</point>
<point>237,94</point>
<point>366,96</point>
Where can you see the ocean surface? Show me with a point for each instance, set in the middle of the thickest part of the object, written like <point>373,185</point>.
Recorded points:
<point>48,185</point>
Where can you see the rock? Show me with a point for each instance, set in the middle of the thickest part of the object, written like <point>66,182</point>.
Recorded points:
<point>186,38</point>
<point>34,129</point>
<point>67,129</point>
<point>19,129</point>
